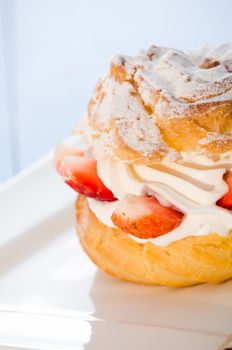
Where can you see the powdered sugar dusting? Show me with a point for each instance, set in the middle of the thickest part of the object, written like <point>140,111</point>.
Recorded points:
<point>140,134</point>
<point>213,136</point>
<point>179,82</point>
<point>121,110</point>
<point>160,82</point>
<point>210,56</point>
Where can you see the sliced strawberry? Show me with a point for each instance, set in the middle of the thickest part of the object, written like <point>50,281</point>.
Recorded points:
<point>226,200</point>
<point>145,217</point>
<point>63,150</point>
<point>80,173</point>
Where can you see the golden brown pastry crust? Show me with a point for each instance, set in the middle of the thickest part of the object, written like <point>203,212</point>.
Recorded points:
<point>160,103</point>
<point>186,262</point>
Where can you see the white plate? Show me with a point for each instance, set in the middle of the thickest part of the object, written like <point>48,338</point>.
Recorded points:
<point>53,297</point>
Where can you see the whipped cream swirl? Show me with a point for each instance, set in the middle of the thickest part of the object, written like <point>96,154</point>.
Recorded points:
<point>192,187</point>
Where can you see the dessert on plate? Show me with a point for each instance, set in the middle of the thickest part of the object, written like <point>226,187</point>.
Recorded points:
<point>155,176</point>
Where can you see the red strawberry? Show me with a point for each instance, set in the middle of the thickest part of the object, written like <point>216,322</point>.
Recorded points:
<point>80,173</point>
<point>226,200</point>
<point>63,150</point>
<point>145,217</point>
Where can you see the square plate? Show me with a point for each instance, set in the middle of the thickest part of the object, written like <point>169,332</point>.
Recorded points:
<point>53,297</point>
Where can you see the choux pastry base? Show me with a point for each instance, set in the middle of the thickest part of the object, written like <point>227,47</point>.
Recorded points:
<point>186,262</point>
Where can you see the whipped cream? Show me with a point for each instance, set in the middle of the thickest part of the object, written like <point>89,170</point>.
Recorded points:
<point>193,187</point>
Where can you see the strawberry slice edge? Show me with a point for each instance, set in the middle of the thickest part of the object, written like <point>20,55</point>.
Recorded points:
<point>145,217</point>
<point>80,173</point>
<point>64,150</point>
<point>226,200</point>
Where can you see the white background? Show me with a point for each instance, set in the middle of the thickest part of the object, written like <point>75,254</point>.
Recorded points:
<point>52,52</point>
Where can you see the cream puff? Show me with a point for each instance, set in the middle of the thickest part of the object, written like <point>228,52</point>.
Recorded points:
<point>155,178</point>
